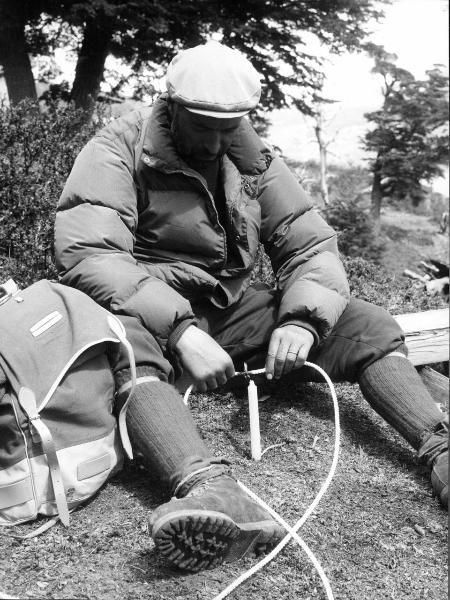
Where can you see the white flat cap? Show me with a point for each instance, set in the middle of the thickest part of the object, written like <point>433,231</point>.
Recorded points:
<point>213,80</point>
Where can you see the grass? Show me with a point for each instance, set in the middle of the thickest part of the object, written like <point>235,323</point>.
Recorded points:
<point>378,532</point>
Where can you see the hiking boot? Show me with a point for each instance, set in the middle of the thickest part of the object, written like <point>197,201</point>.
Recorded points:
<point>434,452</point>
<point>215,522</point>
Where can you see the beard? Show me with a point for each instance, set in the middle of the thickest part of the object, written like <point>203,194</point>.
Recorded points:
<point>192,155</point>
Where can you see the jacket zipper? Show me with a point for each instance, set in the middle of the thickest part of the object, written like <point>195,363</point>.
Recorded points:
<point>197,178</point>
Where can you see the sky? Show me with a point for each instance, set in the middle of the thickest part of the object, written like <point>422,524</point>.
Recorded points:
<point>415,30</point>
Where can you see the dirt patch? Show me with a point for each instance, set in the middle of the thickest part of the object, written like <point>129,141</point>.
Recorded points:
<point>378,533</point>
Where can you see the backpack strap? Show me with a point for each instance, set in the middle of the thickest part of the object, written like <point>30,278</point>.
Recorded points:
<point>27,401</point>
<point>117,327</point>
<point>34,533</point>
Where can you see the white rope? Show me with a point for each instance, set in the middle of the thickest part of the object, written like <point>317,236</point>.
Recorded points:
<point>292,531</point>
<point>187,393</point>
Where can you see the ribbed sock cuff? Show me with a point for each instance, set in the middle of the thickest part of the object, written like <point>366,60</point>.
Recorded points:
<point>395,390</point>
<point>162,429</point>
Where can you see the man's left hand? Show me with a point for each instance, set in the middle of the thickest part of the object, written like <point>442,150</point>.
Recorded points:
<point>288,349</point>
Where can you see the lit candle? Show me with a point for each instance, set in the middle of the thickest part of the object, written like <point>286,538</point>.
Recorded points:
<point>255,437</point>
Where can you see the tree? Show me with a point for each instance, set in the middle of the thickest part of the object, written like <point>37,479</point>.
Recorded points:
<point>320,121</point>
<point>410,134</point>
<point>14,56</point>
<point>149,33</point>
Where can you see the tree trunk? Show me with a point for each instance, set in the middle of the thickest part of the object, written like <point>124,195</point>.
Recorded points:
<point>323,176</point>
<point>13,53</point>
<point>91,64</point>
<point>323,158</point>
<point>376,199</point>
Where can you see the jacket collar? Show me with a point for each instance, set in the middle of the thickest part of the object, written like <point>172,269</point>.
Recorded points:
<point>158,143</point>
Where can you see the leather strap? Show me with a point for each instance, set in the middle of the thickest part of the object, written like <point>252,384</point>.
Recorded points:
<point>27,400</point>
<point>34,533</point>
<point>144,379</point>
<point>119,330</point>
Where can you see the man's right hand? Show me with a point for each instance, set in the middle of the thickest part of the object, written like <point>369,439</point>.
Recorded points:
<point>206,362</point>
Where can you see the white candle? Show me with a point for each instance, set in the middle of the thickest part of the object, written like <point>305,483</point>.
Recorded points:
<point>255,437</point>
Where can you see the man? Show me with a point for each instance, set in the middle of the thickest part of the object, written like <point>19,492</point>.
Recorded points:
<point>160,222</point>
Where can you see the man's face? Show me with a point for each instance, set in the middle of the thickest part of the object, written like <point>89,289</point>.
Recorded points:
<point>199,138</point>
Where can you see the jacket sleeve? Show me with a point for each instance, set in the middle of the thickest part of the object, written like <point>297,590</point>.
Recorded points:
<point>303,251</point>
<point>94,237</point>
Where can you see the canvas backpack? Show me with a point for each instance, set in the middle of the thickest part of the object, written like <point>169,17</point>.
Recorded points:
<point>59,439</point>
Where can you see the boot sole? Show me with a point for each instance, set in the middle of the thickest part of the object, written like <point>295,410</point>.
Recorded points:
<point>193,540</point>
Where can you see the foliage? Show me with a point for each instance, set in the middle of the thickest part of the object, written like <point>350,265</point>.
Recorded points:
<point>372,283</point>
<point>354,228</point>
<point>346,211</point>
<point>410,133</point>
<point>37,151</point>
<point>147,34</point>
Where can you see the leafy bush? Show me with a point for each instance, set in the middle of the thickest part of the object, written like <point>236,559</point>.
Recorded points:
<point>354,228</point>
<point>346,212</point>
<point>37,150</point>
<point>348,182</point>
<point>397,294</point>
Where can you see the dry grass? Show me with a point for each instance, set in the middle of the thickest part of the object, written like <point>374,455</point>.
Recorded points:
<point>378,532</point>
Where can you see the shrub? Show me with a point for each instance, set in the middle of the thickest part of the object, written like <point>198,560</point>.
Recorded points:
<point>37,150</point>
<point>397,294</point>
<point>354,228</point>
<point>347,211</point>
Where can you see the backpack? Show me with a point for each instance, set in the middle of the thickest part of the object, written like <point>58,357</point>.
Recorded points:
<point>59,438</point>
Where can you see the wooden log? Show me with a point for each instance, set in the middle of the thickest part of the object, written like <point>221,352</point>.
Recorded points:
<point>427,336</point>
<point>436,383</point>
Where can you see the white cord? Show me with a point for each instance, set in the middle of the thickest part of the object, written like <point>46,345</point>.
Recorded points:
<point>292,531</point>
<point>187,393</point>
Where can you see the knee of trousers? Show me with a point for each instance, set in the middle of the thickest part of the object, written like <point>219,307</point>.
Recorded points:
<point>363,334</point>
<point>149,357</point>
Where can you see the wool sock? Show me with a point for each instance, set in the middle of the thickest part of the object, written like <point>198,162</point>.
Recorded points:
<point>162,429</point>
<point>396,392</point>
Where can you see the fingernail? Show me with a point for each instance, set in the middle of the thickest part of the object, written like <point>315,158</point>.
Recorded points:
<point>269,376</point>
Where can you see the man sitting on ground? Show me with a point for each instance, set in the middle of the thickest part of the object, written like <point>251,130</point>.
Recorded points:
<point>160,222</point>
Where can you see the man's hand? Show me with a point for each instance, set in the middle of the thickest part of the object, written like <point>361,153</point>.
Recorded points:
<point>288,349</point>
<point>205,361</point>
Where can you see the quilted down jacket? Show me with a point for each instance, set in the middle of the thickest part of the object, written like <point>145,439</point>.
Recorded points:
<point>137,230</point>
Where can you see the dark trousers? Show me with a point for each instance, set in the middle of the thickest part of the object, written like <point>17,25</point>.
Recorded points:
<point>363,334</point>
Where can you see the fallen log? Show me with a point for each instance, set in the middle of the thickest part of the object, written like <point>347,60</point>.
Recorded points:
<point>436,383</point>
<point>427,340</point>
<point>427,335</point>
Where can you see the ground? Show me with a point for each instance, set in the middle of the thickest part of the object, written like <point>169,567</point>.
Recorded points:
<point>378,532</point>
<point>411,238</point>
